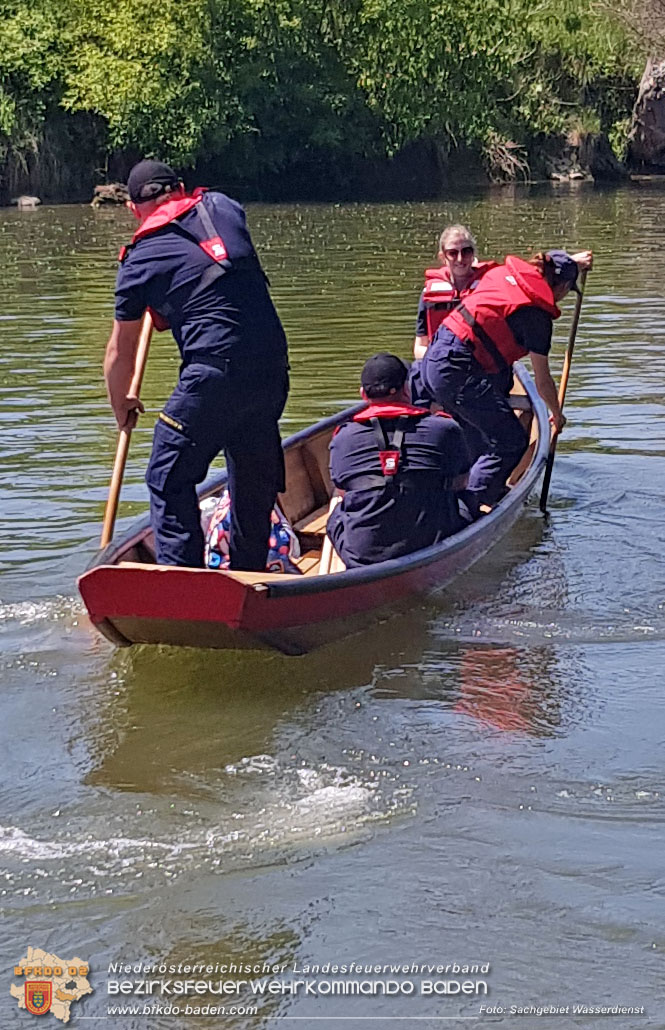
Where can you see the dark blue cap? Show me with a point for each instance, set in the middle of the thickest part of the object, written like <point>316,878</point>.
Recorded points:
<point>149,179</point>
<point>383,374</point>
<point>566,269</point>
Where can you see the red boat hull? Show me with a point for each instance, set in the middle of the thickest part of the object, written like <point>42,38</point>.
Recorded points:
<point>131,602</point>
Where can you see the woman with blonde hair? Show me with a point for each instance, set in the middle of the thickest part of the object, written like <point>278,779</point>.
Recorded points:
<point>459,272</point>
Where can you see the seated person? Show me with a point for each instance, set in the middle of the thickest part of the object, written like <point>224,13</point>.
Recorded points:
<point>399,468</point>
<point>458,274</point>
<point>456,277</point>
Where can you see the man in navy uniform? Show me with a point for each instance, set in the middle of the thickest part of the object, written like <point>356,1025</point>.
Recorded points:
<point>400,469</point>
<point>192,264</point>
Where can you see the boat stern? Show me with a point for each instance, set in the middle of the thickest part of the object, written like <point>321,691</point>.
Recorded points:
<point>133,603</point>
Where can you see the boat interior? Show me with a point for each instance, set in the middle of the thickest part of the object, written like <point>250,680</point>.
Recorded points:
<point>309,498</point>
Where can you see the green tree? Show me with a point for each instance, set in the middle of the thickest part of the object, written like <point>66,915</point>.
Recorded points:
<point>270,83</point>
<point>29,72</point>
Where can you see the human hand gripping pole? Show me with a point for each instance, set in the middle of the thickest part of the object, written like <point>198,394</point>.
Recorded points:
<point>563,386</point>
<point>125,434</point>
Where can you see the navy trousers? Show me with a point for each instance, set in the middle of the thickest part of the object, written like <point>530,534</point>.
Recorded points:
<point>457,382</point>
<point>422,398</point>
<point>213,410</point>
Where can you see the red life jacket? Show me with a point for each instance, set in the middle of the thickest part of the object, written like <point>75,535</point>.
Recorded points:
<point>480,321</point>
<point>441,295</point>
<point>390,450</point>
<point>208,239</point>
<point>392,411</point>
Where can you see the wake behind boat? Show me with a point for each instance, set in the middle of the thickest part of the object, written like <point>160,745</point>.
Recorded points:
<point>133,600</point>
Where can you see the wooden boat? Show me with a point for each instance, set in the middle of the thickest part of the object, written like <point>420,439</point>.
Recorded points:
<point>132,600</point>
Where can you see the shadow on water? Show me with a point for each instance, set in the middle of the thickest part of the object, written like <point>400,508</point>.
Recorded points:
<point>208,708</point>
<point>175,712</point>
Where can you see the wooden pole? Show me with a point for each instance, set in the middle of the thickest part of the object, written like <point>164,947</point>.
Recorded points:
<point>563,386</point>
<point>125,434</point>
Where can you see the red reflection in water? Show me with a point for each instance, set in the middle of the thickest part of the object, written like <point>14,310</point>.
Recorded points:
<point>495,689</point>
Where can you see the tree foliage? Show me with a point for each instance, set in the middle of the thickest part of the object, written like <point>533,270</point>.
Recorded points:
<point>271,81</point>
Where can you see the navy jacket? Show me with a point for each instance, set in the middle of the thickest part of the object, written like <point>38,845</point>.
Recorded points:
<point>417,509</point>
<point>231,317</point>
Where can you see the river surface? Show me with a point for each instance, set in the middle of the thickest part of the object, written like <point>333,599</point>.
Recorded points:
<point>480,780</point>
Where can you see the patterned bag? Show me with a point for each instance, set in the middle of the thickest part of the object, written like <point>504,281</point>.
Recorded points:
<point>283,543</point>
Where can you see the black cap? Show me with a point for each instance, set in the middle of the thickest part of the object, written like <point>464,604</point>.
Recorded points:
<point>566,269</point>
<point>383,374</point>
<point>149,179</point>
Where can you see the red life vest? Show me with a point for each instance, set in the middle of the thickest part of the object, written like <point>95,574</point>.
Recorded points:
<point>441,295</point>
<point>209,240</point>
<point>393,411</point>
<point>480,321</point>
<point>390,450</point>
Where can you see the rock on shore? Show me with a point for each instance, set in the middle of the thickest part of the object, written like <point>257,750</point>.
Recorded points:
<point>24,201</point>
<point>646,143</point>
<point>110,193</point>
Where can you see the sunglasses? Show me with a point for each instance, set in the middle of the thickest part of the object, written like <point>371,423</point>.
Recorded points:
<point>454,253</point>
<point>154,189</point>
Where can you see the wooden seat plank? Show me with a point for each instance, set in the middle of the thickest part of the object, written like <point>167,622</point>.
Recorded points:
<point>314,523</point>
<point>308,561</point>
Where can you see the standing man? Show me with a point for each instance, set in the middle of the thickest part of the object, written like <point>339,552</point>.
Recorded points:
<point>400,470</point>
<point>192,264</point>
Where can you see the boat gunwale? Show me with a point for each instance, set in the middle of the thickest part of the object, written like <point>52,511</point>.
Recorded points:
<point>451,545</point>
<point>360,575</point>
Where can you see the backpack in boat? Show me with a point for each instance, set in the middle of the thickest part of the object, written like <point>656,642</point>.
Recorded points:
<point>283,544</point>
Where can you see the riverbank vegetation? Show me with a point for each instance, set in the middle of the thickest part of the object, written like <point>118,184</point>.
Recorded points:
<point>260,87</point>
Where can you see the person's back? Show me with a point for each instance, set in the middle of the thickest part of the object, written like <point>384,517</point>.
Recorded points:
<point>399,468</point>
<point>212,316</point>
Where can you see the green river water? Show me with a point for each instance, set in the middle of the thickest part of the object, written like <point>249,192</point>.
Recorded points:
<point>481,780</point>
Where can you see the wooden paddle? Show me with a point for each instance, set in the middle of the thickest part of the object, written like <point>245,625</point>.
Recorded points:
<point>125,434</point>
<point>563,386</point>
